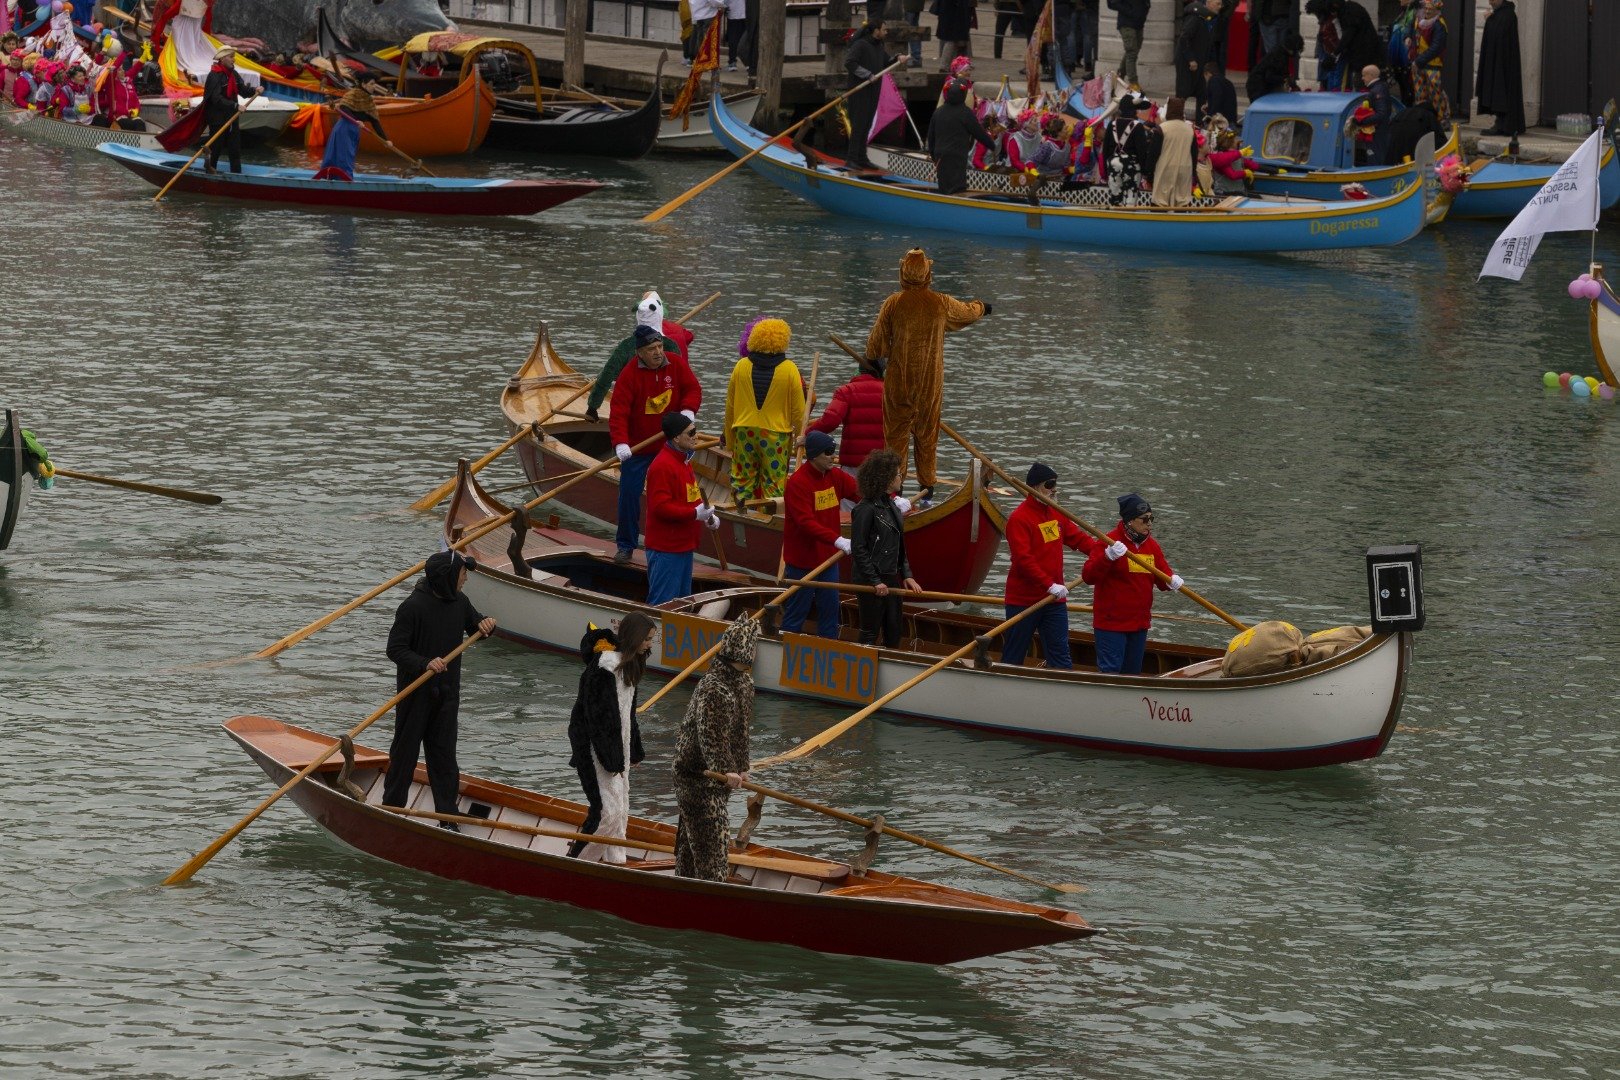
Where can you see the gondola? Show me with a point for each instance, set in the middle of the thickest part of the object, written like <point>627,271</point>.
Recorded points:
<point>950,545</point>
<point>13,476</point>
<point>38,127</point>
<point>1605,327</point>
<point>1501,187</point>
<point>1331,712</point>
<point>773,895</point>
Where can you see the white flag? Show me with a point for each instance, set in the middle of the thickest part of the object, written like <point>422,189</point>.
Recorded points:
<point>1566,203</point>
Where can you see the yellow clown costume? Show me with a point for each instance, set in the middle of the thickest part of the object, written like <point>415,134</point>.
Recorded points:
<point>764,410</point>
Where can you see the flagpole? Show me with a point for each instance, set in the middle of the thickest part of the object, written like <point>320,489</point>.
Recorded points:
<point>1597,198</point>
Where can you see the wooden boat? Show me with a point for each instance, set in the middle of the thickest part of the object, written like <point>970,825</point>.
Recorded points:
<point>1605,328</point>
<point>1339,710</point>
<point>457,123</point>
<point>264,121</point>
<point>950,545</point>
<point>698,136</point>
<point>13,476</point>
<point>827,906</point>
<point>1237,224</point>
<point>53,132</point>
<point>368,191</point>
<point>1501,187</point>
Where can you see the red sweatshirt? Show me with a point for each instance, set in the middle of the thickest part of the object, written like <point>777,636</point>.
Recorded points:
<point>672,501</point>
<point>1036,536</point>
<point>682,337</point>
<point>858,406</point>
<point>641,397</point>
<point>1123,591</point>
<point>813,516</point>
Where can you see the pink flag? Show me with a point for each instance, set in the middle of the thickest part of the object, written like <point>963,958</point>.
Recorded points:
<point>891,106</point>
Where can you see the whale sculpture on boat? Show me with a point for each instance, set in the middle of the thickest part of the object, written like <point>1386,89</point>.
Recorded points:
<point>368,24</point>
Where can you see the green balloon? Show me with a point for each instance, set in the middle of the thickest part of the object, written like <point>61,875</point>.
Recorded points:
<point>1550,379</point>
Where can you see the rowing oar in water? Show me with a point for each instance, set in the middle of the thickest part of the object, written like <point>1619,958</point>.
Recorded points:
<point>910,838</point>
<point>715,648</point>
<point>487,526</point>
<point>1140,560</point>
<point>816,742</point>
<point>798,452</point>
<point>697,189</point>
<point>185,872</point>
<point>151,489</point>
<point>164,190</point>
<point>763,862</point>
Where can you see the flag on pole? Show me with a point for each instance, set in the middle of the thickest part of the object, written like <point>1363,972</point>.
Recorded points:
<point>707,60</point>
<point>891,106</point>
<point>1566,203</point>
<point>1039,37</point>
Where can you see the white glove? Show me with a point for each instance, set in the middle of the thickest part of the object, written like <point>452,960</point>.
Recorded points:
<point>1059,591</point>
<point>903,505</point>
<point>705,513</point>
<point>1116,550</point>
<point>842,544</point>
<point>1175,582</point>
<point>623,450</point>
<point>712,521</point>
<point>689,414</point>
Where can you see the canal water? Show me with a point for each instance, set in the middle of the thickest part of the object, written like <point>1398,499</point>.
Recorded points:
<point>1441,912</point>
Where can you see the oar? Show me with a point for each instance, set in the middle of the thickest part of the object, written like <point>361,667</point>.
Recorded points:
<point>414,163</point>
<point>684,319</point>
<point>487,526</point>
<point>763,862</point>
<point>715,648</point>
<point>1140,560</point>
<point>816,742</point>
<point>714,534</point>
<point>798,453</point>
<point>150,489</point>
<point>910,838</point>
<point>693,192</point>
<point>614,105</point>
<point>979,598</point>
<point>182,170</point>
<point>437,495</point>
<point>185,872</point>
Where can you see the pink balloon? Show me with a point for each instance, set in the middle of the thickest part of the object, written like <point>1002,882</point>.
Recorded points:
<point>56,6</point>
<point>1577,289</point>
<point>1605,391</point>
<point>1594,289</point>
<point>1584,277</point>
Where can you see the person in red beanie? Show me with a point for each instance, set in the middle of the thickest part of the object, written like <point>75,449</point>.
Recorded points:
<point>1036,537</point>
<point>1123,588</point>
<point>675,513</point>
<point>814,493</point>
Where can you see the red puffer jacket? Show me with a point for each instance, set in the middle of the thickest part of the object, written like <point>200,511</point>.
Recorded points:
<point>858,406</point>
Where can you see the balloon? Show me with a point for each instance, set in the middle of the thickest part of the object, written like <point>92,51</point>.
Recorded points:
<point>1591,384</point>
<point>1605,391</point>
<point>1594,289</point>
<point>56,6</point>
<point>1577,289</point>
<point>1584,277</point>
<point>1550,379</point>
<point>1579,388</point>
<point>1563,380</point>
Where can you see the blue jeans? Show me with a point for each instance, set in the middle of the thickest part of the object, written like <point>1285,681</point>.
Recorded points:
<point>1119,652</point>
<point>632,478</point>
<point>1053,623</point>
<point>669,576</point>
<point>797,607</point>
<point>913,18</point>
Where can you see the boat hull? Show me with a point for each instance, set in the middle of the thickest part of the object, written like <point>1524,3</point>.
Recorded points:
<point>44,129</point>
<point>593,131</point>
<point>1380,181</point>
<point>1501,189</point>
<point>386,194</point>
<point>698,137</point>
<point>1605,328</point>
<point>924,933</point>
<point>264,120</point>
<point>13,476</point>
<point>457,123</point>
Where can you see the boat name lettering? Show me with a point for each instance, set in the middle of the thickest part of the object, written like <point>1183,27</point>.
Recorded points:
<point>685,638</point>
<point>1175,711</point>
<point>831,669</point>
<point>1334,228</point>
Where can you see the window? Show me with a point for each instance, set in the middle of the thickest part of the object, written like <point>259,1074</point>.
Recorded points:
<point>1287,140</point>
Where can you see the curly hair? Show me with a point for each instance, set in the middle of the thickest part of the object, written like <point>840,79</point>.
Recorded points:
<point>876,473</point>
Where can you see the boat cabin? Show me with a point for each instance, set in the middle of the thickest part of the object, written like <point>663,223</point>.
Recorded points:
<point>1303,129</point>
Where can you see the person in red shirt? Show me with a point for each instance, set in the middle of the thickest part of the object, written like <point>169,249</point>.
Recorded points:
<point>857,406</point>
<point>1123,589</point>
<point>675,513</point>
<point>654,385</point>
<point>815,492</point>
<point>1036,536</point>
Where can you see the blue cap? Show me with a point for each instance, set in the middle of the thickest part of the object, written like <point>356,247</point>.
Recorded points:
<point>817,443</point>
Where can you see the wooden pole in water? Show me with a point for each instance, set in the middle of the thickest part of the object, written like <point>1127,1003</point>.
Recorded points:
<point>574,42</point>
<point>772,43</point>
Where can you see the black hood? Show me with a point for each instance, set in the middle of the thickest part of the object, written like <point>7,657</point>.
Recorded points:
<point>587,644</point>
<point>443,570</point>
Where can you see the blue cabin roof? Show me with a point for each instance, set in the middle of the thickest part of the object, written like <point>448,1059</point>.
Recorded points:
<point>1302,129</point>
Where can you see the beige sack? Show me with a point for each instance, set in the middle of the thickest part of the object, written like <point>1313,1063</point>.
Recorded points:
<point>1326,643</point>
<point>1263,649</point>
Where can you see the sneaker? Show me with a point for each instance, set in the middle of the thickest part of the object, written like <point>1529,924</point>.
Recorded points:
<point>914,62</point>
<point>731,67</point>
<point>623,557</point>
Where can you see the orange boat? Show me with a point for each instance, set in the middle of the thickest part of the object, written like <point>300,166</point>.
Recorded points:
<point>426,127</point>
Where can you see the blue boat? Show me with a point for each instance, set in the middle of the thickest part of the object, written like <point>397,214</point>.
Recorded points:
<point>1069,94</point>
<point>1501,187</point>
<point>1306,134</point>
<point>1233,224</point>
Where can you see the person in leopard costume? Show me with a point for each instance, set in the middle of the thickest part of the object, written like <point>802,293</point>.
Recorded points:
<point>714,736</point>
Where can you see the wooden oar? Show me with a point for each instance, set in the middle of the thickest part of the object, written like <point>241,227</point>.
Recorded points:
<point>816,742</point>
<point>979,598</point>
<point>910,838</point>
<point>1140,560</point>
<point>414,163</point>
<point>437,495</point>
<point>185,872</point>
<point>715,648</point>
<point>614,105</point>
<point>182,171</point>
<point>487,526</point>
<point>703,304</point>
<point>697,189</point>
<point>763,862</point>
<point>150,489</point>
<point>798,452</point>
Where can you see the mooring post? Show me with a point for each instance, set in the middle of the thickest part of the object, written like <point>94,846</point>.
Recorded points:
<point>772,45</point>
<point>574,42</point>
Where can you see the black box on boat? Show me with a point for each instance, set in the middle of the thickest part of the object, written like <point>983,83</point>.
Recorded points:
<point>1395,587</point>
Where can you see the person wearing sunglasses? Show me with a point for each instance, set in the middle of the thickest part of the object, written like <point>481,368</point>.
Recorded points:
<point>1123,588</point>
<point>1036,537</point>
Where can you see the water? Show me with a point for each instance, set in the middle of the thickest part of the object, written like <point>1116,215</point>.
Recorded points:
<point>1440,912</point>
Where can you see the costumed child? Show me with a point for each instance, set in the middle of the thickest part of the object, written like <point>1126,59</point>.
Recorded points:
<point>764,411</point>
<point>1229,162</point>
<point>603,733</point>
<point>1122,600</point>
<point>354,110</point>
<point>713,737</point>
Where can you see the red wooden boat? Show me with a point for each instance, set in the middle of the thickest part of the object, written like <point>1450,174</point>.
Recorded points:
<point>827,906</point>
<point>950,544</point>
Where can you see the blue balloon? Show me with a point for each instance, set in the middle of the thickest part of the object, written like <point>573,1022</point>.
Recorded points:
<point>1579,388</point>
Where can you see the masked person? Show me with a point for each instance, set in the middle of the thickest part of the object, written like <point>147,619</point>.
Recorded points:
<point>714,738</point>
<point>649,312</point>
<point>764,410</point>
<point>1123,588</point>
<point>603,733</point>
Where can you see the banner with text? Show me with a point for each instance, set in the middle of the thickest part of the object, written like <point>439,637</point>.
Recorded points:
<point>827,668</point>
<point>685,638</point>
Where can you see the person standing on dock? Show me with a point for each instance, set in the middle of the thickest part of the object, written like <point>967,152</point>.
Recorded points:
<point>649,312</point>
<point>428,624</point>
<point>910,333</point>
<point>603,733</point>
<point>713,737</point>
<point>676,512</point>
<point>815,492</point>
<point>864,59</point>
<point>1123,588</point>
<point>658,385</point>
<point>1036,537</point>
